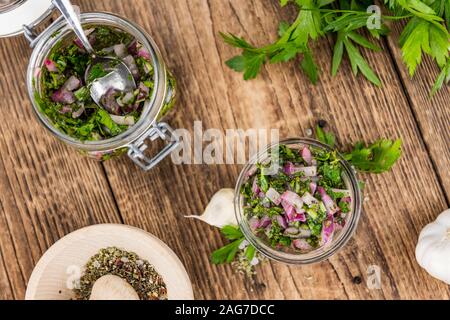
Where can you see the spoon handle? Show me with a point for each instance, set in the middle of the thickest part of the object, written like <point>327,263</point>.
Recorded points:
<point>68,11</point>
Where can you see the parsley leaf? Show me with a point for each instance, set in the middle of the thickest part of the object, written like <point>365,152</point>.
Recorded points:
<point>325,137</point>
<point>232,232</point>
<point>376,158</point>
<point>425,33</point>
<point>227,253</point>
<point>444,77</point>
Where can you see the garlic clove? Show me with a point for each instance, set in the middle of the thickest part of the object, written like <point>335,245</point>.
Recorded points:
<point>220,210</point>
<point>112,287</point>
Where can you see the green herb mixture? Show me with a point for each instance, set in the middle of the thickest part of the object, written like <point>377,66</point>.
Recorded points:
<point>303,204</point>
<point>65,93</point>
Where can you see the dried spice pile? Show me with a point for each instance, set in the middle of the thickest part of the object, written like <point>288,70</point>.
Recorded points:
<point>139,273</point>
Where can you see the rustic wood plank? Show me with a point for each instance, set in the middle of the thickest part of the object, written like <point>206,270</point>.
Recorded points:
<point>46,189</point>
<point>399,203</point>
<point>432,114</point>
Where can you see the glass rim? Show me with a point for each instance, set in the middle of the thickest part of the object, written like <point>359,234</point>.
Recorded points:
<point>152,106</point>
<point>321,253</point>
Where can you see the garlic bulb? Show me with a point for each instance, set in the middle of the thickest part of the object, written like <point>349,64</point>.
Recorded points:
<point>433,248</point>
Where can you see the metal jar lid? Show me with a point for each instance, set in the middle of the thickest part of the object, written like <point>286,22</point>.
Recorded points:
<point>16,14</point>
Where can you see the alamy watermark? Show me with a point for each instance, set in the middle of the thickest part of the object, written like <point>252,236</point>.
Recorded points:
<point>230,146</point>
<point>374,20</point>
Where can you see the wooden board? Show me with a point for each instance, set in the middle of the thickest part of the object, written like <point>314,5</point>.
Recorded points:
<point>34,165</point>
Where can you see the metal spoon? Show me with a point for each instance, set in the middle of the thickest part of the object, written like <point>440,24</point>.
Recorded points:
<point>119,76</point>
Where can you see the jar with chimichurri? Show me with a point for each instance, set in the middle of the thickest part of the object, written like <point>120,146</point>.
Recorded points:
<point>59,87</point>
<point>298,201</point>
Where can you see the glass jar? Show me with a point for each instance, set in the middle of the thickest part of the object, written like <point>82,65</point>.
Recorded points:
<point>23,16</point>
<point>339,240</point>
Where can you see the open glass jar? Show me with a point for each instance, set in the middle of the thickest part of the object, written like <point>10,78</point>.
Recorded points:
<point>291,256</point>
<point>148,127</point>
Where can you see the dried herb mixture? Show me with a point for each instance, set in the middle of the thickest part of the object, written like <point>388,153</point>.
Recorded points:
<point>139,273</point>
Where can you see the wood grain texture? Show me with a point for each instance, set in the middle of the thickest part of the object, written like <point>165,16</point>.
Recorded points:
<point>432,114</point>
<point>46,190</point>
<point>400,202</point>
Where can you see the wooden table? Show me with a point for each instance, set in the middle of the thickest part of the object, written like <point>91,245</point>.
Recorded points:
<point>47,190</point>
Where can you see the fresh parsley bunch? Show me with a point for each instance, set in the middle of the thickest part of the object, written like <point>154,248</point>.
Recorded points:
<point>426,33</point>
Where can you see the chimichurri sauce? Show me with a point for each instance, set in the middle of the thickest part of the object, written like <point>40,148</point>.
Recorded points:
<point>65,93</point>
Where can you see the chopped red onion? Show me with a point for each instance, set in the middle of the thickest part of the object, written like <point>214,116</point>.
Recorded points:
<point>313,187</point>
<point>51,66</point>
<point>306,155</point>
<point>63,96</point>
<point>347,199</point>
<point>309,199</point>
<point>265,222</point>
<point>282,222</point>
<point>299,216</point>
<point>301,244</point>
<point>327,201</point>
<point>37,72</point>
<point>255,188</point>
<point>291,231</point>
<point>79,112</point>
<point>253,223</point>
<point>73,83</point>
<point>327,230</point>
<point>144,54</point>
<point>144,91</point>
<point>120,50</point>
<point>289,168</point>
<point>131,64</point>
<point>293,199</point>
<point>307,171</point>
<point>305,233</point>
<point>108,100</point>
<point>132,48</point>
<point>65,109</point>
<point>126,120</point>
<point>288,209</point>
<point>273,196</point>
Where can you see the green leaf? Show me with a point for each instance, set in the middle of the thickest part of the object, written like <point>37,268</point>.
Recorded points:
<point>250,252</point>
<point>358,63</point>
<point>250,63</point>
<point>439,44</point>
<point>413,40</point>
<point>338,53</point>
<point>253,64</point>
<point>309,66</point>
<point>362,41</point>
<point>104,118</point>
<point>82,94</point>
<point>309,22</point>
<point>444,77</point>
<point>286,53</point>
<point>97,71</point>
<point>325,137</point>
<point>284,2</point>
<point>237,63</point>
<point>376,158</point>
<point>235,41</point>
<point>263,182</point>
<point>232,232</point>
<point>283,28</point>
<point>227,253</point>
